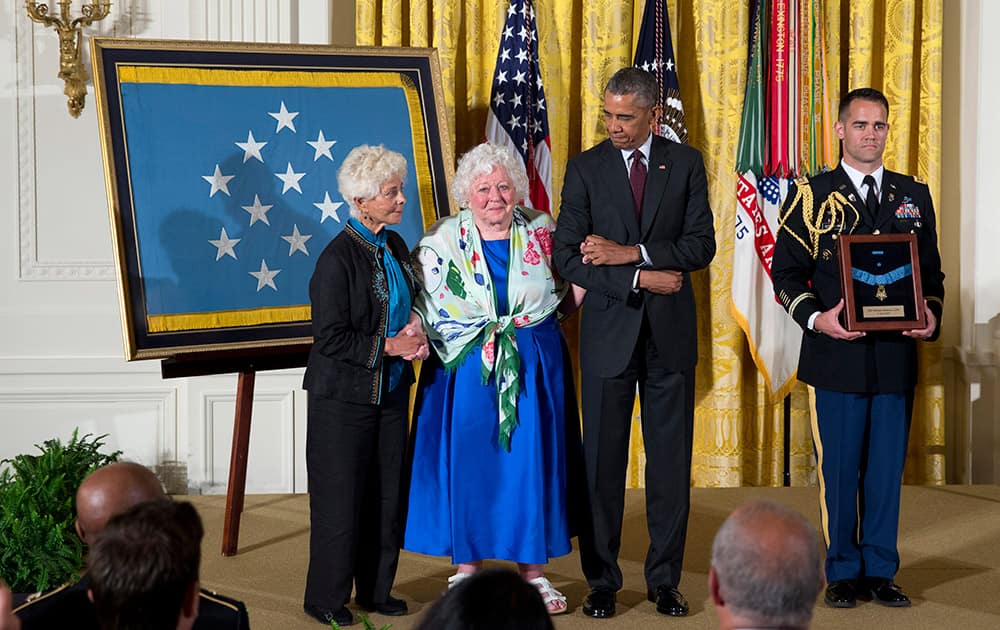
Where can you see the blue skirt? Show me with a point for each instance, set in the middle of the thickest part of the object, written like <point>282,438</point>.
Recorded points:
<point>469,498</point>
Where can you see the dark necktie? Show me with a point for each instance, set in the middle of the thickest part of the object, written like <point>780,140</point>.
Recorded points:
<point>637,179</point>
<point>871,200</point>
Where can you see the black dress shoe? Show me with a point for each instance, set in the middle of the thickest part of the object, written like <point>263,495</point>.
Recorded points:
<point>841,594</point>
<point>342,616</point>
<point>886,592</point>
<point>392,606</point>
<point>669,601</point>
<point>600,603</point>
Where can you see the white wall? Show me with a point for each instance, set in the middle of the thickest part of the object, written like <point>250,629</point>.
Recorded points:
<point>981,135</point>
<point>975,386</point>
<point>61,353</point>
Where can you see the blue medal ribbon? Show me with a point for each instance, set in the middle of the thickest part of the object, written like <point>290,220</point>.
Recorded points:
<point>882,279</point>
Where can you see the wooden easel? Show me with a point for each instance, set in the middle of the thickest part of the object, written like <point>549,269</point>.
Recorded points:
<point>246,365</point>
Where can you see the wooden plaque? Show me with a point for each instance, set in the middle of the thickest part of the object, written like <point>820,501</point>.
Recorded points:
<point>880,282</point>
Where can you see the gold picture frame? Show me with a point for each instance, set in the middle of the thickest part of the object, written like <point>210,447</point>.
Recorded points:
<point>220,163</point>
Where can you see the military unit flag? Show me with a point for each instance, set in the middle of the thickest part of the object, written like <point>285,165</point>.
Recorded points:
<point>785,132</point>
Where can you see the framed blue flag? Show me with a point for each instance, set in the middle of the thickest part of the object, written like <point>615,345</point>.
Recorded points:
<point>221,163</point>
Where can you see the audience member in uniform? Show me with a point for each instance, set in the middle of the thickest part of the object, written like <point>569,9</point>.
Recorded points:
<point>767,569</point>
<point>143,568</point>
<point>107,491</point>
<point>494,599</point>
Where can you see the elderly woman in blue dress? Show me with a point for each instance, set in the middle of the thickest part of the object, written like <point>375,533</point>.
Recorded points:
<point>489,461</point>
<point>358,378</point>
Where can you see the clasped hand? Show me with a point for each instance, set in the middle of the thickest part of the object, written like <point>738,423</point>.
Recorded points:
<point>410,342</point>
<point>661,281</point>
<point>598,250</point>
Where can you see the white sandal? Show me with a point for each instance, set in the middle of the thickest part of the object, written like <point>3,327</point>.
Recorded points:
<point>456,579</point>
<point>549,595</point>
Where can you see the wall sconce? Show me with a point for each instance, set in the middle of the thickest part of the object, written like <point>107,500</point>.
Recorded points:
<point>70,32</point>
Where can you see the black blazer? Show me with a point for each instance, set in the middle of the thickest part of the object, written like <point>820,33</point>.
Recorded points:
<point>350,307</point>
<point>807,281</point>
<point>677,232</point>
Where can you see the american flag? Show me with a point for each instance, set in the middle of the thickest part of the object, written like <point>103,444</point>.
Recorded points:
<point>654,53</point>
<point>517,116</point>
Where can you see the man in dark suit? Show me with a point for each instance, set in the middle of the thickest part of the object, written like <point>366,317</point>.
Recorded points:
<point>863,382</point>
<point>108,491</point>
<point>634,222</point>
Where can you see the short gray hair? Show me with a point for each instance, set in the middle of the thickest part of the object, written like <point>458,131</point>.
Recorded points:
<point>767,559</point>
<point>364,170</point>
<point>479,161</point>
<point>632,80</point>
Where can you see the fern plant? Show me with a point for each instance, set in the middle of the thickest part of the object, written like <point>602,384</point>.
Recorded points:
<point>39,548</point>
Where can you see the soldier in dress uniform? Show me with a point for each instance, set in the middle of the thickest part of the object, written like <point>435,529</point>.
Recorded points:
<point>863,382</point>
<point>108,491</point>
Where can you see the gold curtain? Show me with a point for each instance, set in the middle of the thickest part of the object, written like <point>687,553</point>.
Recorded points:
<point>893,45</point>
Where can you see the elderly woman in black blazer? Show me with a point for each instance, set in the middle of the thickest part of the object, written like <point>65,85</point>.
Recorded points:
<point>358,378</point>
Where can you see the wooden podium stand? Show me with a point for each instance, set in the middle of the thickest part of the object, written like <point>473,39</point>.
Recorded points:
<point>246,365</point>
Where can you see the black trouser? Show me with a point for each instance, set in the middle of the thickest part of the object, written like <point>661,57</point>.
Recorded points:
<point>354,457</point>
<point>667,402</point>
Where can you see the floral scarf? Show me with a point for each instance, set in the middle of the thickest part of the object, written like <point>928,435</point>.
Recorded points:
<point>459,308</point>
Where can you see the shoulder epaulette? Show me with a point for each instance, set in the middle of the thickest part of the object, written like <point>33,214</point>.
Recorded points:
<point>222,600</point>
<point>43,595</point>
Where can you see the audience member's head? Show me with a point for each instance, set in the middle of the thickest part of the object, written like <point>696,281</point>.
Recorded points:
<point>8,621</point>
<point>144,567</point>
<point>494,599</point>
<point>111,490</point>
<point>766,568</point>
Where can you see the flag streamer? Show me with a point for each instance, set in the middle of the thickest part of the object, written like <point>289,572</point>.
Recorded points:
<point>785,132</point>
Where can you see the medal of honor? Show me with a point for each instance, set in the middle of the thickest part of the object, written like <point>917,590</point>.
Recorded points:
<point>880,280</point>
